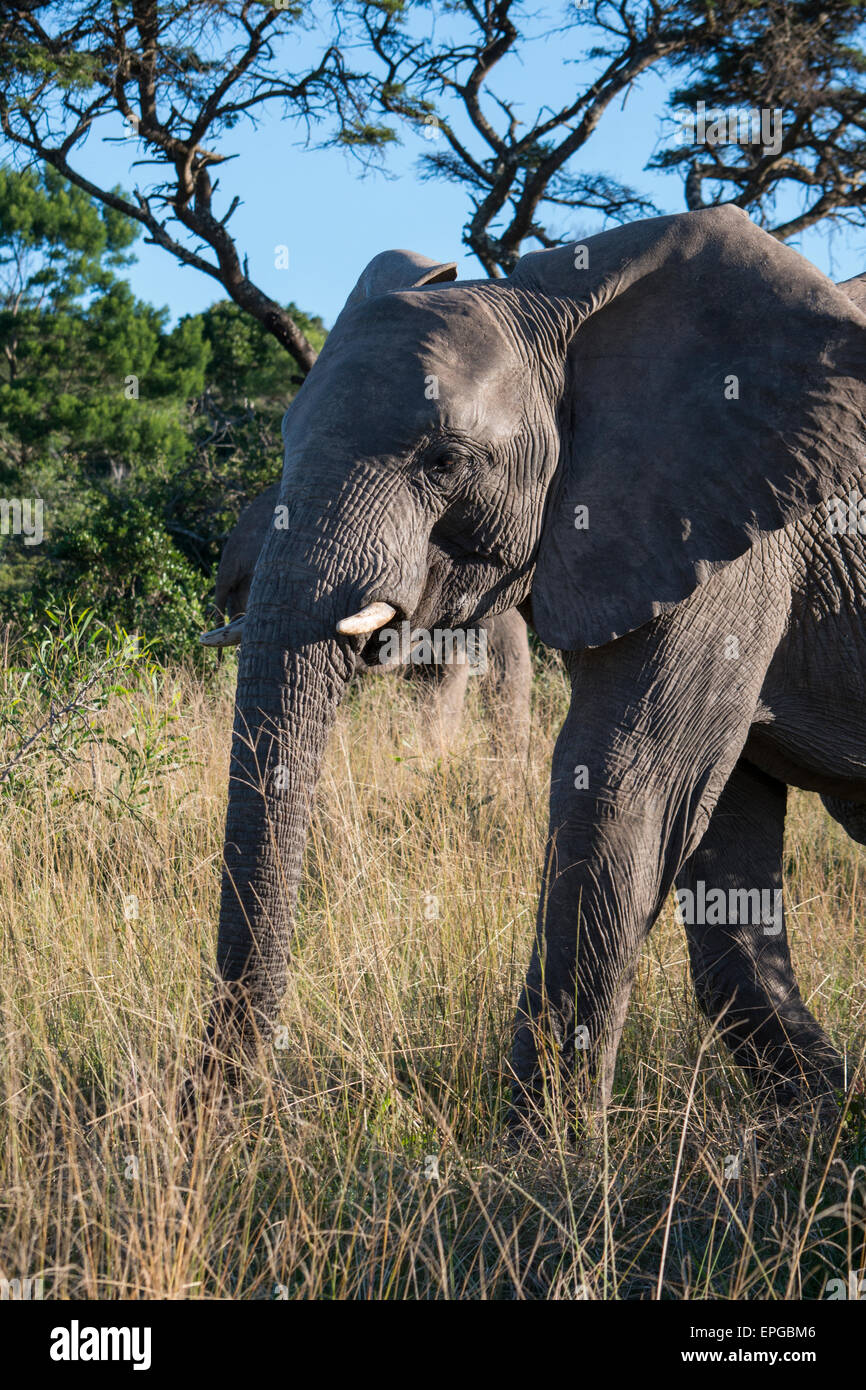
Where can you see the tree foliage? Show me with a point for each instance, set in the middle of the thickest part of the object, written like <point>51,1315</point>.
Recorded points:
<point>180,74</point>
<point>804,60</point>
<point>449,79</point>
<point>143,441</point>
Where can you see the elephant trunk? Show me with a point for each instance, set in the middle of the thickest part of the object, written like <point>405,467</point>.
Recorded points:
<point>289,687</point>
<point>319,589</point>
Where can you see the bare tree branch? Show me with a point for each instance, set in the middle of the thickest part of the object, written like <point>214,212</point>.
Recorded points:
<point>181,74</point>
<point>794,54</point>
<point>801,64</point>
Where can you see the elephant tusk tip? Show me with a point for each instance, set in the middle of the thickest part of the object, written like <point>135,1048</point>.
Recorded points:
<point>229,636</point>
<point>368,619</point>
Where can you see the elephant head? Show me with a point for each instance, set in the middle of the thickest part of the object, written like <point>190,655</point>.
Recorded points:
<point>391,270</point>
<point>592,437</point>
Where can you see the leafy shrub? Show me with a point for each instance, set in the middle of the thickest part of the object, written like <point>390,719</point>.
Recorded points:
<point>119,560</point>
<point>55,690</point>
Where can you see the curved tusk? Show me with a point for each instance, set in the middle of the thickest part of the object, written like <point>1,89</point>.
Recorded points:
<point>374,616</point>
<point>229,636</point>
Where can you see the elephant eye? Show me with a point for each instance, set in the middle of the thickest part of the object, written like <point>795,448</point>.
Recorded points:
<point>445,458</point>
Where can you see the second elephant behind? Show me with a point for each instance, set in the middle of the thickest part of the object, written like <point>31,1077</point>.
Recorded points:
<point>505,685</point>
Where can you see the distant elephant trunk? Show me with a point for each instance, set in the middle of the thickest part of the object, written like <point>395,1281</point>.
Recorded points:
<point>289,689</point>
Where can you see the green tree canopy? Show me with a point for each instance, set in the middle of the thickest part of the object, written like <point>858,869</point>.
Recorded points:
<point>144,441</point>
<point>56,243</point>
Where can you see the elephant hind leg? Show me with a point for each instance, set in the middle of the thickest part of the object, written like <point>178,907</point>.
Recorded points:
<point>506,689</point>
<point>742,968</point>
<point>444,705</point>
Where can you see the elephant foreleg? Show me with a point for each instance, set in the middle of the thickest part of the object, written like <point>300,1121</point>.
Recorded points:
<point>619,829</point>
<point>741,965</point>
<point>851,815</point>
<point>655,728</point>
<point>603,886</point>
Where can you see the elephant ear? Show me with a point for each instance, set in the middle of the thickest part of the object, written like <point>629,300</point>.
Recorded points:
<point>714,391</point>
<point>399,270</point>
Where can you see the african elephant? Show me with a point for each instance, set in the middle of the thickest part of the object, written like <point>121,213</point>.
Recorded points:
<point>507,680</point>
<point>643,440</point>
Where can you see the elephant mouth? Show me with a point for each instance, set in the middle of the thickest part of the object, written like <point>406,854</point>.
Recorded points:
<point>361,627</point>
<point>363,630</point>
<point>428,611</point>
<point>447,600</point>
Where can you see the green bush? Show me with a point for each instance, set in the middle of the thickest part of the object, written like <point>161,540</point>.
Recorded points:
<point>144,442</point>
<point>119,560</point>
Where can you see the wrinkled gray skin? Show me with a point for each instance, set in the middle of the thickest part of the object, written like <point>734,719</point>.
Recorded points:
<point>240,553</point>
<point>505,686</point>
<point>713,625</point>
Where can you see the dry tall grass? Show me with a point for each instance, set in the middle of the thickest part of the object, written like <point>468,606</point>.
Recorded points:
<point>368,1162</point>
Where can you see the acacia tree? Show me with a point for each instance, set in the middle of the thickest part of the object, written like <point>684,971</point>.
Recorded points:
<point>520,169</point>
<point>515,170</point>
<point>182,74</point>
<point>805,61</point>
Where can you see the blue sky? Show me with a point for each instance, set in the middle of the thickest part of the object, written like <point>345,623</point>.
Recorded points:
<point>333,217</point>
